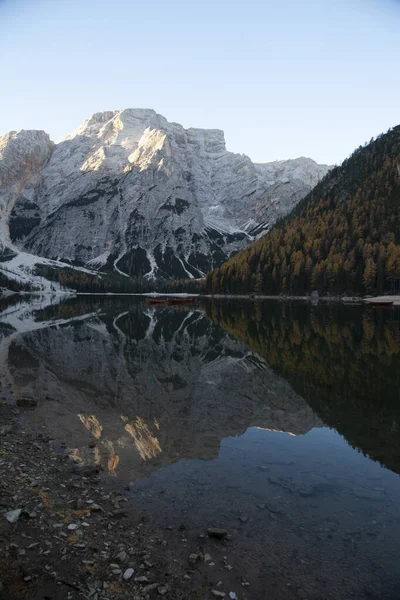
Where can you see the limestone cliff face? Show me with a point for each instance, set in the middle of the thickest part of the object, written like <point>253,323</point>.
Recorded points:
<point>23,154</point>
<point>133,192</point>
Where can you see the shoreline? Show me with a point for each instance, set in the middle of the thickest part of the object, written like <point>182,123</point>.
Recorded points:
<point>353,300</point>
<point>254,297</point>
<point>69,531</point>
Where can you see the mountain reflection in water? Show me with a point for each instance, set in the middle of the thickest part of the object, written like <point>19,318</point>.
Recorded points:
<point>193,406</point>
<point>150,385</point>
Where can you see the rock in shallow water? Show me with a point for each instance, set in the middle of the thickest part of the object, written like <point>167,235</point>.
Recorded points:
<point>193,558</point>
<point>128,574</point>
<point>26,402</point>
<point>162,589</point>
<point>217,532</point>
<point>12,516</point>
<point>122,556</point>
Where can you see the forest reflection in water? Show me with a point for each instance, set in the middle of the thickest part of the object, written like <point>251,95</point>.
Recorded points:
<point>343,360</point>
<point>193,406</point>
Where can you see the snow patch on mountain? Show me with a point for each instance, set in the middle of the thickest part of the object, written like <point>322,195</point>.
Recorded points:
<point>21,268</point>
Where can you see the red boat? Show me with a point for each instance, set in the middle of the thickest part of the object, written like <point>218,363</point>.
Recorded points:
<point>383,303</point>
<point>155,301</point>
<point>179,301</point>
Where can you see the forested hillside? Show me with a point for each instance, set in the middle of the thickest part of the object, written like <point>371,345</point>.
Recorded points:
<point>344,237</point>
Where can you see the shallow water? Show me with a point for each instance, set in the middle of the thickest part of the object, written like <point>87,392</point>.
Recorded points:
<point>279,422</point>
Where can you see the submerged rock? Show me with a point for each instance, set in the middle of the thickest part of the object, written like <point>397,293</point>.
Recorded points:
<point>12,516</point>
<point>122,556</point>
<point>128,574</point>
<point>217,532</point>
<point>25,402</point>
<point>193,558</point>
<point>163,589</point>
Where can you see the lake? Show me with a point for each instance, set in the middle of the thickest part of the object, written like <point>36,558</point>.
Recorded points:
<point>277,421</point>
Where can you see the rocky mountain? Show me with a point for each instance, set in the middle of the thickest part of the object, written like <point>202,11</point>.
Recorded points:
<point>131,192</point>
<point>23,155</point>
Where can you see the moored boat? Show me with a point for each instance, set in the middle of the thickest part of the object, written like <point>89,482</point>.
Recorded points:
<point>178,301</point>
<point>155,301</point>
<point>383,303</point>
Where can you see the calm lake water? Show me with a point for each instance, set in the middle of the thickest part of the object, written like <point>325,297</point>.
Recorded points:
<point>278,422</point>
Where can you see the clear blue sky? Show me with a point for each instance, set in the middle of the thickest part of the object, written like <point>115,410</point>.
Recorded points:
<point>283,78</point>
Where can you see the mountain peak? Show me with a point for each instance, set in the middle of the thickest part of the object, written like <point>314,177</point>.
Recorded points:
<point>144,196</point>
<point>129,120</point>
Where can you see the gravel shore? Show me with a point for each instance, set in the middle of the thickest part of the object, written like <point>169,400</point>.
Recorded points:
<point>66,532</point>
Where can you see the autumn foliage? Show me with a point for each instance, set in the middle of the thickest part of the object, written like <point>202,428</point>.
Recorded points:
<point>344,237</point>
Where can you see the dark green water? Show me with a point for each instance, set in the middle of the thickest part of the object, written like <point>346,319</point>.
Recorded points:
<point>277,421</point>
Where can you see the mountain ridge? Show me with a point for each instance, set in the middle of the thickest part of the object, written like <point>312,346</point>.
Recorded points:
<point>130,192</point>
<point>343,237</point>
